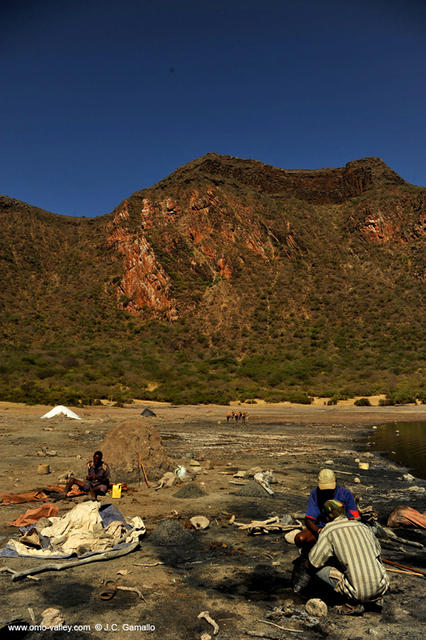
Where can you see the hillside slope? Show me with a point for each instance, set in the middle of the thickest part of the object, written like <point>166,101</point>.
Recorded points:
<point>229,278</point>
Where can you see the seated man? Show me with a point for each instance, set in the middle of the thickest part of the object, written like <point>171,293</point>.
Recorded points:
<point>361,576</point>
<point>97,480</point>
<point>315,518</point>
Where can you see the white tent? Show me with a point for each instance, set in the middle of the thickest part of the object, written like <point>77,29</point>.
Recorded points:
<point>61,410</point>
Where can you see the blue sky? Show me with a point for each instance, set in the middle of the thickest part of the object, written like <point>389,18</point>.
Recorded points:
<point>100,98</point>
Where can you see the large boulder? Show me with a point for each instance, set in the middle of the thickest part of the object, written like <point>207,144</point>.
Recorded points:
<point>120,450</point>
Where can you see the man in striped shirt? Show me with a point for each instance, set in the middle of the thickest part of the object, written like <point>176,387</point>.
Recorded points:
<point>315,518</point>
<point>361,576</point>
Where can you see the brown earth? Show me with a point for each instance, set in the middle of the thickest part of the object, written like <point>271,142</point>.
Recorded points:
<point>236,577</point>
<point>131,443</point>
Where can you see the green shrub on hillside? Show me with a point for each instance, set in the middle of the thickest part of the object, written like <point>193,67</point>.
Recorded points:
<point>362,402</point>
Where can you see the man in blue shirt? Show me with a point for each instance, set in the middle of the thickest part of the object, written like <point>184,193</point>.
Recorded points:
<point>315,517</point>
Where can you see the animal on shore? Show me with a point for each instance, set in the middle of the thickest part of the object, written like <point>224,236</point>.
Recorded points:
<point>230,416</point>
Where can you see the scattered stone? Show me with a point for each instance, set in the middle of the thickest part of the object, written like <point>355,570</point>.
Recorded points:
<point>291,535</point>
<point>43,469</point>
<point>357,480</point>
<point>329,462</point>
<point>408,477</point>
<point>252,472</point>
<point>170,533</point>
<point>316,607</point>
<point>194,463</point>
<point>416,489</point>
<point>357,460</point>
<point>240,474</point>
<point>286,519</point>
<point>51,452</point>
<point>190,490</point>
<point>41,454</point>
<point>199,522</point>
<point>51,618</point>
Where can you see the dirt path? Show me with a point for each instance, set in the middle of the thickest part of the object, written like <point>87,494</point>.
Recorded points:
<point>237,578</point>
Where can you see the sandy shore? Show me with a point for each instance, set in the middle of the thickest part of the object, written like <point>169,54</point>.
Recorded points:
<point>238,578</point>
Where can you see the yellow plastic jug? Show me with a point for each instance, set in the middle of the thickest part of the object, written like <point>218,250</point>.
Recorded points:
<point>116,490</point>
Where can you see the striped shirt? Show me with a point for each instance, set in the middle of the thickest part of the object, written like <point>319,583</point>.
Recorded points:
<point>358,552</point>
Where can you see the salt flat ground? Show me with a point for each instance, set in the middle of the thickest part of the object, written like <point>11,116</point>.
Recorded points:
<point>237,578</point>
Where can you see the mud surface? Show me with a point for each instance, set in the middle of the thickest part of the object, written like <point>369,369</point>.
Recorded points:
<point>239,579</point>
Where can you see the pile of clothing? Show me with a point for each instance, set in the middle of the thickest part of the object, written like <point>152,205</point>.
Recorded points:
<point>87,529</point>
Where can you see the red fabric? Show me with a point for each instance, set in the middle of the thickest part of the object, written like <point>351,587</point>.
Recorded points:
<point>403,516</point>
<point>47,510</point>
<point>36,496</point>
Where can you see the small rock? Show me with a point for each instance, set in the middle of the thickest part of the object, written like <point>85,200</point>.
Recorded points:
<point>329,462</point>
<point>357,480</point>
<point>286,519</point>
<point>416,489</point>
<point>208,464</point>
<point>51,618</point>
<point>316,607</point>
<point>199,522</point>
<point>240,474</point>
<point>78,456</point>
<point>51,452</point>
<point>252,472</point>
<point>43,469</point>
<point>41,454</point>
<point>408,477</point>
<point>194,463</point>
<point>205,636</point>
<point>357,460</point>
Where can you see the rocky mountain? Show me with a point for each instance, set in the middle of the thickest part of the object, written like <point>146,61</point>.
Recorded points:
<point>228,279</point>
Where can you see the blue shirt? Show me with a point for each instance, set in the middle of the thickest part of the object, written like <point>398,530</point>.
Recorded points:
<point>314,512</point>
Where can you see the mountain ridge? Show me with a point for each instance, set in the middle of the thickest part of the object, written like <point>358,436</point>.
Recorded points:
<point>228,279</point>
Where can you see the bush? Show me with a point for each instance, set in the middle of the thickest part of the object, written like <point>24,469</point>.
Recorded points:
<point>398,397</point>
<point>362,402</point>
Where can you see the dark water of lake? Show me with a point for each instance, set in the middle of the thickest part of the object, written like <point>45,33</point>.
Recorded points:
<point>402,442</point>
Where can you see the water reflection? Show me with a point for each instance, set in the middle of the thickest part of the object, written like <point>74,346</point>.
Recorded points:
<point>402,442</point>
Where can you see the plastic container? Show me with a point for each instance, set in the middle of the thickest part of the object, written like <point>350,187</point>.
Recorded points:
<point>116,490</point>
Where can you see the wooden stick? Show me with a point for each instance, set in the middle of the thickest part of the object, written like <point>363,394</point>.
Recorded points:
<point>13,572</point>
<point>279,627</point>
<point>133,589</point>
<point>407,573</point>
<point>107,555</point>
<point>403,566</point>
<point>143,468</point>
<point>259,634</point>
